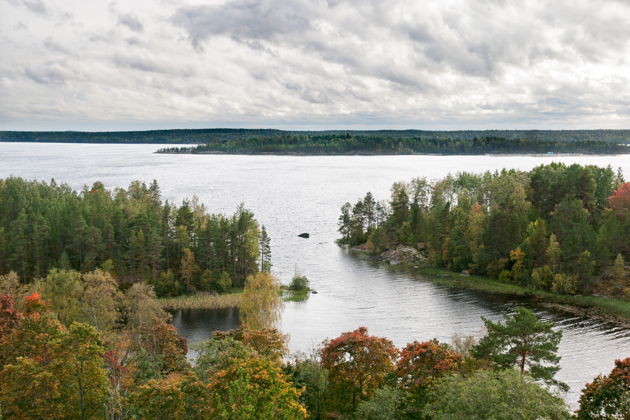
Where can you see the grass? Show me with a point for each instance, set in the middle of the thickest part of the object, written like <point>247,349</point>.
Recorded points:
<point>202,301</point>
<point>604,308</point>
<point>289,295</point>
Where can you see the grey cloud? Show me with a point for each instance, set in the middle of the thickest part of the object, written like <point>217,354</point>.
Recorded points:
<point>150,65</point>
<point>45,75</point>
<point>35,6</point>
<point>246,20</point>
<point>131,22</point>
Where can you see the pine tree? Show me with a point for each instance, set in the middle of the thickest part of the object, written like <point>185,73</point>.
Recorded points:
<point>265,251</point>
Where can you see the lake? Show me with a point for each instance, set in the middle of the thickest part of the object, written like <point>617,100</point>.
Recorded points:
<point>295,194</point>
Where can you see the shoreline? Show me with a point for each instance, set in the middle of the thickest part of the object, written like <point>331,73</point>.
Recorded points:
<point>537,154</point>
<point>611,310</point>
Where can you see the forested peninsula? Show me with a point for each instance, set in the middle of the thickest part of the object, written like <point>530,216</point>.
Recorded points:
<point>374,144</point>
<point>130,233</point>
<point>557,232</point>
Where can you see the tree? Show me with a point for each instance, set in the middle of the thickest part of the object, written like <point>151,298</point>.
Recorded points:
<point>607,397</point>
<point>523,341</point>
<point>553,253</point>
<point>488,394</point>
<point>261,301</point>
<point>265,251</point>
<point>620,200</point>
<point>176,396</point>
<point>101,300</point>
<point>189,270</point>
<point>344,223</point>
<point>387,404</point>
<point>420,364</point>
<point>63,288</point>
<point>358,364</point>
<point>254,388</point>
<point>141,308</point>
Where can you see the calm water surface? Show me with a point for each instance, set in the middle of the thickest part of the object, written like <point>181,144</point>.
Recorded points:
<point>291,195</point>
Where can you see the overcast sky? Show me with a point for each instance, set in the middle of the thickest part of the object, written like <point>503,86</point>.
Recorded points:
<point>137,64</point>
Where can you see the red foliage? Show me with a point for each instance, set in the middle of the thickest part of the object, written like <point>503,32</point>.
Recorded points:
<point>620,200</point>
<point>34,303</point>
<point>420,363</point>
<point>606,396</point>
<point>9,316</point>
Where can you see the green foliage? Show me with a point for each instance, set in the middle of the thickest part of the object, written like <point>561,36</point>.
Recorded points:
<point>334,143</point>
<point>499,395</point>
<point>129,233</point>
<point>522,341</point>
<point>387,404</point>
<point>553,228</point>
<point>299,282</point>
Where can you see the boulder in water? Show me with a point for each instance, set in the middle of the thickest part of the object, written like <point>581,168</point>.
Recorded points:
<point>304,235</point>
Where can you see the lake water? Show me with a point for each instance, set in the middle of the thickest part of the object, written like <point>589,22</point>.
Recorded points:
<point>291,195</point>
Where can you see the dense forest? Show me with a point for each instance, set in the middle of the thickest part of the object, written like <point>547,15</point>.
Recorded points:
<point>129,233</point>
<point>557,228</point>
<point>107,354</point>
<point>373,144</point>
<point>213,135</point>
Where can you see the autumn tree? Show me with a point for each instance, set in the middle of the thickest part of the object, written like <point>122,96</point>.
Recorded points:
<point>260,302</point>
<point>607,397</point>
<point>522,341</point>
<point>101,300</point>
<point>142,309</point>
<point>358,364</point>
<point>419,364</point>
<point>254,388</point>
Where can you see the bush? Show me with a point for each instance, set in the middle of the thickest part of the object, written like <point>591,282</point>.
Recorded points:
<point>542,277</point>
<point>299,283</point>
<point>564,284</point>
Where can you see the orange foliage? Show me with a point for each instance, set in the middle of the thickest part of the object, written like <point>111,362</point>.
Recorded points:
<point>268,342</point>
<point>358,364</point>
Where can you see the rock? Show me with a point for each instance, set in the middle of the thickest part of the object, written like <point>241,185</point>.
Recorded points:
<point>403,254</point>
<point>314,291</point>
<point>465,273</point>
<point>304,235</point>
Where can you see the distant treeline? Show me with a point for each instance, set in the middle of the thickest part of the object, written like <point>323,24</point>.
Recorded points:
<point>217,135</point>
<point>376,144</point>
<point>130,233</point>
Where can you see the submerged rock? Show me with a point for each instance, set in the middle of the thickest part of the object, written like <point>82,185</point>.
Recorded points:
<point>304,235</point>
<point>404,255</point>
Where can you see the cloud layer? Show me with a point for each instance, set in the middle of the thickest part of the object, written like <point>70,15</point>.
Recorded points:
<point>453,64</point>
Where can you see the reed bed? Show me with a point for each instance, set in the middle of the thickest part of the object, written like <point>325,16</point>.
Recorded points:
<point>201,301</point>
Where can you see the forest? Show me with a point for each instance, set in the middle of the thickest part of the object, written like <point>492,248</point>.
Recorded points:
<point>130,233</point>
<point>104,353</point>
<point>374,144</point>
<point>214,135</point>
<point>557,228</point>
<point>84,336</point>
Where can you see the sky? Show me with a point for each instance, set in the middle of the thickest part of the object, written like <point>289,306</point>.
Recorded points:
<point>314,64</point>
